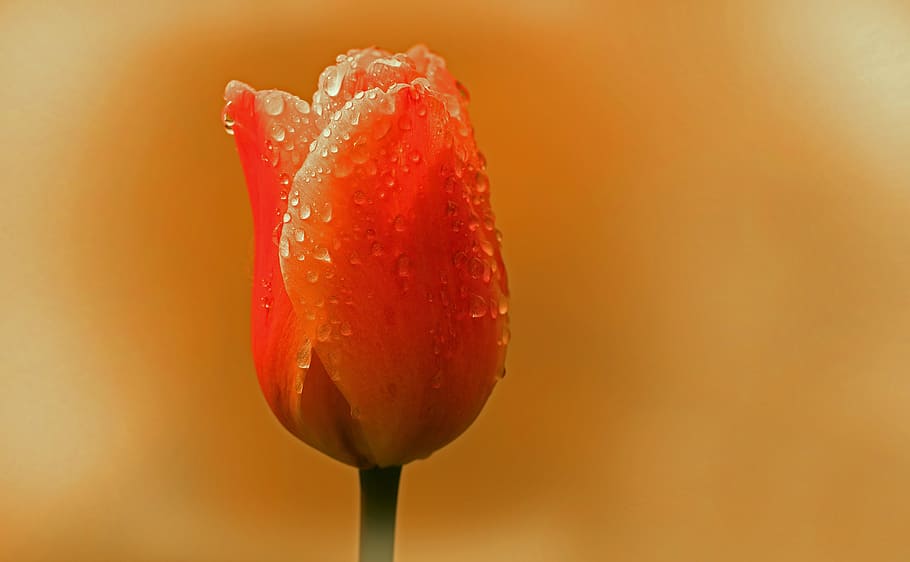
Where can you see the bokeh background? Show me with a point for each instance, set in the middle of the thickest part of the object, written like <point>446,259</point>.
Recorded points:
<point>706,208</point>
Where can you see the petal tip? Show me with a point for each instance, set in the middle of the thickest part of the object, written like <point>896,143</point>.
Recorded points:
<point>234,89</point>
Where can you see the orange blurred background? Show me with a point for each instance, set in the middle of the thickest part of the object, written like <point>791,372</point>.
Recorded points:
<point>707,230</point>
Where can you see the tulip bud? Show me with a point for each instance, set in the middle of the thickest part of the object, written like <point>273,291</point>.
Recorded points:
<point>380,299</point>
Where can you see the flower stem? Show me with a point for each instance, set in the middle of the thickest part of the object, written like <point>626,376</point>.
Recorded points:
<point>378,501</point>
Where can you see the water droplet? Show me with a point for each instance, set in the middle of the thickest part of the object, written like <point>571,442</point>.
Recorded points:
<point>359,152</point>
<point>345,329</point>
<point>283,248</point>
<point>488,222</point>
<point>475,268</point>
<point>324,332</point>
<point>359,197</point>
<point>286,218</point>
<point>415,157</point>
<point>274,158</point>
<point>354,259</point>
<point>376,249</point>
<point>321,253</point>
<point>304,356</point>
<point>302,106</point>
<point>227,119</point>
<point>276,234</point>
<point>506,337</point>
<point>381,127</point>
<point>327,212</point>
<point>483,182</point>
<point>295,199</point>
<point>503,304</point>
<point>326,132</point>
<point>312,276</point>
<point>478,306</point>
<point>305,211</point>
<point>486,247</point>
<point>299,235</point>
<point>421,110</point>
<point>403,266</point>
<point>398,223</point>
<point>386,104</point>
<point>273,103</point>
<point>452,106</point>
<point>333,80</point>
<point>278,133</point>
<point>298,383</point>
<point>463,91</point>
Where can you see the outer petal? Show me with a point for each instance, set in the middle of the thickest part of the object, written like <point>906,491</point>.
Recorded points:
<point>392,260</point>
<point>269,128</point>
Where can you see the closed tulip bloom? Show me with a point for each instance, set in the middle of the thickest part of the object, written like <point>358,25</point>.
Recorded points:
<point>380,300</point>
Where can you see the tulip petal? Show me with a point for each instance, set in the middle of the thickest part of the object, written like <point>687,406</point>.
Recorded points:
<point>270,127</point>
<point>396,266</point>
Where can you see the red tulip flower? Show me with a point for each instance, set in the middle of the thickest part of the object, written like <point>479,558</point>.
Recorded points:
<point>380,300</point>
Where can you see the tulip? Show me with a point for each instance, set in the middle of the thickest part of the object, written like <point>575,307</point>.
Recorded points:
<point>380,299</point>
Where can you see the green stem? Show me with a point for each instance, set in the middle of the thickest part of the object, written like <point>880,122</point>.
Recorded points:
<point>378,500</point>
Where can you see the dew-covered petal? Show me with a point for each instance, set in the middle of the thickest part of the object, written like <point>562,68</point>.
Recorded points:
<point>402,278</point>
<point>294,383</point>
